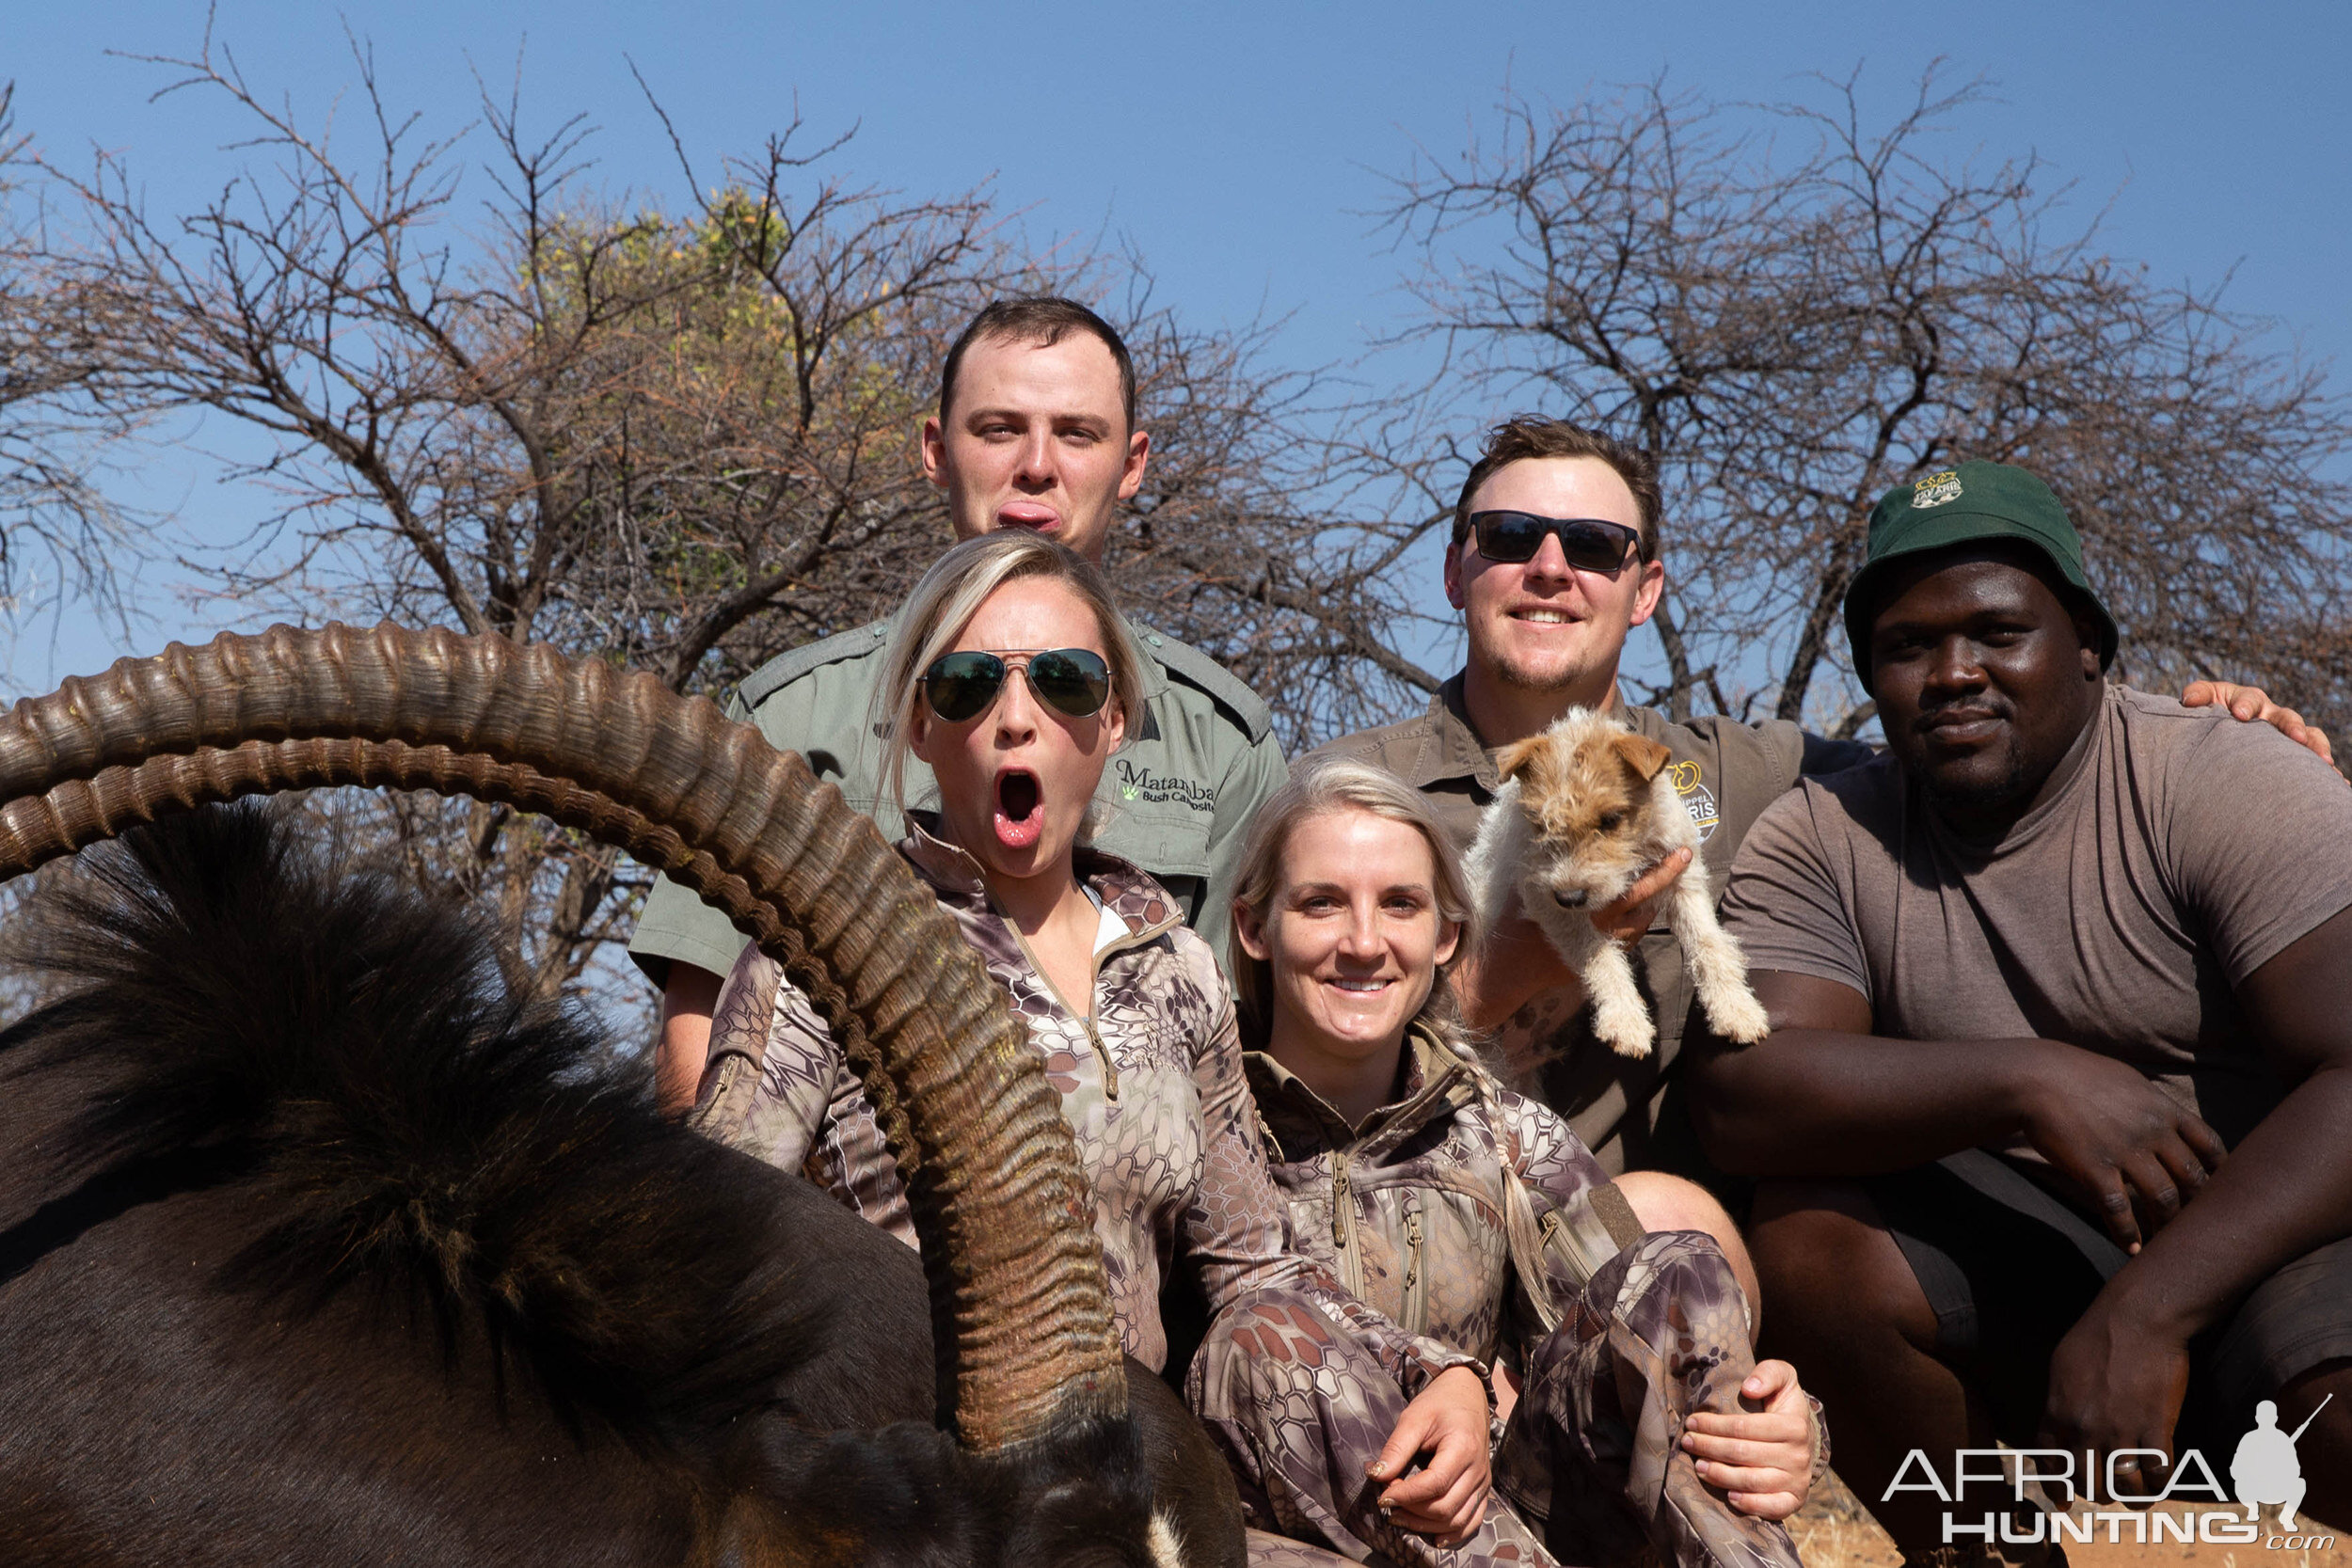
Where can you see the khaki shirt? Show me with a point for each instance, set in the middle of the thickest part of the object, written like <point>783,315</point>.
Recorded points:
<point>1627,1110</point>
<point>1175,800</point>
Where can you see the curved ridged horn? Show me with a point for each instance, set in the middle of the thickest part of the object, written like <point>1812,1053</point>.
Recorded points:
<point>1020,1307</point>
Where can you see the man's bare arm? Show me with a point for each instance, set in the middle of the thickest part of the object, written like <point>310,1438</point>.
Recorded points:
<point>684,1043</point>
<point>2285,1191</point>
<point>1822,1096</point>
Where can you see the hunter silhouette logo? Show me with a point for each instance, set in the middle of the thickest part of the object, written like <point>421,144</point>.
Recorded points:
<point>2083,1498</point>
<point>2265,1470</point>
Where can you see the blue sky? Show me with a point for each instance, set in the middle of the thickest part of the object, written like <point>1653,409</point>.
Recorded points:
<point>1239,148</point>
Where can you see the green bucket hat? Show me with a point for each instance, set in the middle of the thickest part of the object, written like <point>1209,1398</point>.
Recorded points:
<point>1963,505</point>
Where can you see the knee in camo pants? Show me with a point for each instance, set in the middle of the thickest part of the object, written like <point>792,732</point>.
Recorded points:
<point>1300,1410</point>
<point>1588,1470</point>
<point>1660,1333</point>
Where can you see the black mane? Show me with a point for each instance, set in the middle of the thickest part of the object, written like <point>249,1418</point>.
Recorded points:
<point>254,1009</point>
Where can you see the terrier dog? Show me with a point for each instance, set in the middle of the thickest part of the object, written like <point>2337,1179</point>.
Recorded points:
<point>1585,809</point>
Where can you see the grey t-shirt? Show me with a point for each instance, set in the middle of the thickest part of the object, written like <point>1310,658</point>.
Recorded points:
<point>2180,853</point>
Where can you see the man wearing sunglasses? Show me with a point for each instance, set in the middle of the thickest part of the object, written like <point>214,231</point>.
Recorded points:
<point>1034,430</point>
<point>1554,561</point>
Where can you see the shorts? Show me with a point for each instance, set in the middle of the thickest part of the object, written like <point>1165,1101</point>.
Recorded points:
<point>2009,1268</point>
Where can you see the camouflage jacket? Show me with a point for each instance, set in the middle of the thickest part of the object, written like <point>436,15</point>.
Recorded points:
<point>1413,1210</point>
<point>1176,798</point>
<point>1151,1085</point>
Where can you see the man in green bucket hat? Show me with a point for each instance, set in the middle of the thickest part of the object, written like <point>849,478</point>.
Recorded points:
<point>2050,1124</point>
<point>1544,634</point>
<point>1976,502</point>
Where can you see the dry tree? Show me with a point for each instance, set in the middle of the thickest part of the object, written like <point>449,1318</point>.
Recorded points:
<point>1794,311</point>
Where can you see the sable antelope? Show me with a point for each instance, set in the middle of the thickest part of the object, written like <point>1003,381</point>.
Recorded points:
<point>317,1244</point>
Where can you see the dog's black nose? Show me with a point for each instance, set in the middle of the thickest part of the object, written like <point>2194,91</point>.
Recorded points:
<point>1574,900</point>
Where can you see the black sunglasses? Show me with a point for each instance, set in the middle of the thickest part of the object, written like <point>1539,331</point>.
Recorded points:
<point>1074,681</point>
<point>1588,543</point>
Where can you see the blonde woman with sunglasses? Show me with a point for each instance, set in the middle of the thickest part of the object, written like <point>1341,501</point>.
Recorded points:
<point>1013,679</point>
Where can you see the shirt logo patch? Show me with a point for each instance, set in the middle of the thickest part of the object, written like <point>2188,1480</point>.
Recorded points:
<point>1936,489</point>
<point>1141,783</point>
<point>1696,799</point>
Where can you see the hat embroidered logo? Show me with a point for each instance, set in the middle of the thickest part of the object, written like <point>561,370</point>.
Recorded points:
<point>1936,489</point>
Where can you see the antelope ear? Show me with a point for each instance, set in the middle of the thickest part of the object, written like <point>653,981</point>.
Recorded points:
<point>1518,755</point>
<point>1641,753</point>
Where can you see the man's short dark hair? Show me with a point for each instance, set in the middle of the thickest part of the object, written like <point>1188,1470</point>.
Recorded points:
<point>1042,319</point>
<point>1525,435</point>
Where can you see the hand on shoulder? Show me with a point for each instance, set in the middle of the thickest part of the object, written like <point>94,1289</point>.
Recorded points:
<point>2250,705</point>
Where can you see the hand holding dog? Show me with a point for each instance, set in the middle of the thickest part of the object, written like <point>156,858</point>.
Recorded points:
<point>1585,812</point>
<point>1629,919</point>
<point>1517,963</point>
<point>1763,1457</point>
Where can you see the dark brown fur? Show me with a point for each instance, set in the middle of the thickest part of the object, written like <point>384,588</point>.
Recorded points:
<point>318,1245</point>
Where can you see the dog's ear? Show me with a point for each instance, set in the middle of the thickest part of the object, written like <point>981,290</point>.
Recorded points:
<point>1641,753</point>
<point>1518,755</point>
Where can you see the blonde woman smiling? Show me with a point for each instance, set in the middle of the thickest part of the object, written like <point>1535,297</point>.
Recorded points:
<point>1468,1213</point>
<point>1013,678</point>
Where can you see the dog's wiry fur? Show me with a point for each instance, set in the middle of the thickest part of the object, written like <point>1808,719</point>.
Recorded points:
<point>1585,809</point>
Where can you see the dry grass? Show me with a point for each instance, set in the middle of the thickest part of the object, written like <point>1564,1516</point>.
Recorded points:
<point>1835,1531</point>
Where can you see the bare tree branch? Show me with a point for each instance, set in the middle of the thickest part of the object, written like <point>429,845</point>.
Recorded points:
<point>1794,324</point>
<point>63,540</point>
<point>683,443</point>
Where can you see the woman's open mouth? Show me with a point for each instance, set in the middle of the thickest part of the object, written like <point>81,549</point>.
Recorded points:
<point>1020,810</point>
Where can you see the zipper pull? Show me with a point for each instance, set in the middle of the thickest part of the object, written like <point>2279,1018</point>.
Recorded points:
<point>1339,1201</point>
<point>1110,1069</point>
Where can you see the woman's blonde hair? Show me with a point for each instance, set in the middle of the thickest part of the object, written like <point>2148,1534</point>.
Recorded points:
<point>1317,789</point>
<point>952,591</point>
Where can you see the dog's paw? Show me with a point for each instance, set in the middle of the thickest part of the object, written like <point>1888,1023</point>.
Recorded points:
<point>1739,1017</point>
<point>1626,1028</point>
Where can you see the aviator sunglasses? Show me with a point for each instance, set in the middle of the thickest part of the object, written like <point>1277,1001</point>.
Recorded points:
<point>1072,681</point>
<point>1589,544</point>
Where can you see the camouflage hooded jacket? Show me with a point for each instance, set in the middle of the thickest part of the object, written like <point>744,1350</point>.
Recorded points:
<point>1151,1083</point>
<point>1415,1209</point>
